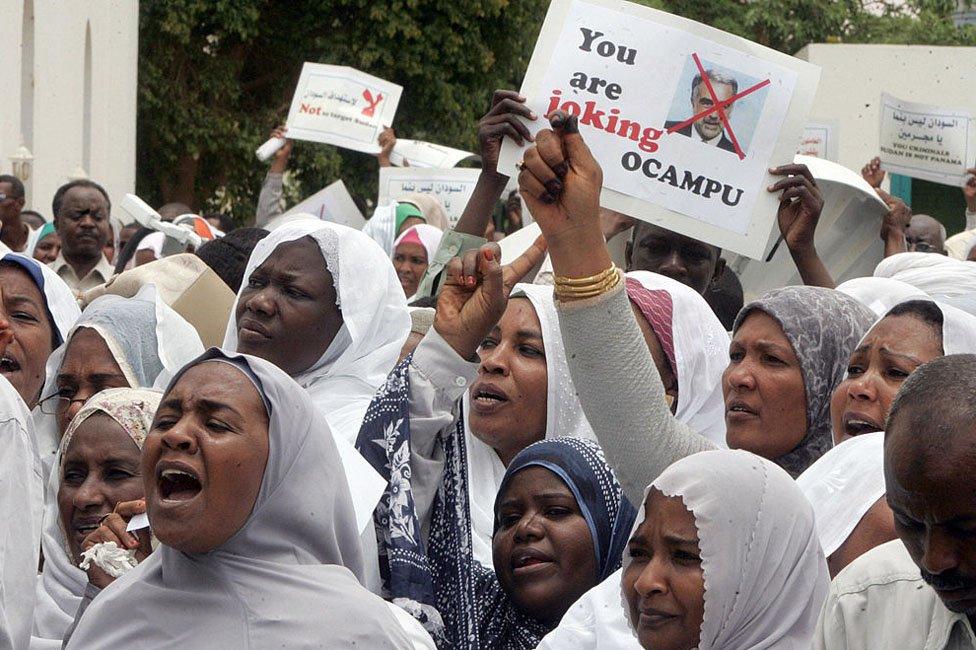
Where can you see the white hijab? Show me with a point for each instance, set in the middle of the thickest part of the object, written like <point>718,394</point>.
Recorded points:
<point>765,576</point>
<point>21,498</point>
<point>943,278</point>
<point>374,313</point>
<point>564,418</point>
<point>701,350</point>
<point>429,236</point>
<point>61,585</point>
<point>842,485</point>
<point>288,575</point>
<point>148,340</point>
<point>880,294</point>
<point>60,299</point>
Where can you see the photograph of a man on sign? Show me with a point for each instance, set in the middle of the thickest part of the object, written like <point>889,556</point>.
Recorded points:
<point>715,91</point>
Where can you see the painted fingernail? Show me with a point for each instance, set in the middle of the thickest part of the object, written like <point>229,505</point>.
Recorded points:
<point>561,169</point>
<point>554,187</point>
<point>489,255</point>
<point>533,115</point>
<point>471,280</point>
<point>571,125</point>
<point>547,198</point>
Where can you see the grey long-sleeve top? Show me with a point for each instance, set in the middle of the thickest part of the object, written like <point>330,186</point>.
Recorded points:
<point>621,392</point>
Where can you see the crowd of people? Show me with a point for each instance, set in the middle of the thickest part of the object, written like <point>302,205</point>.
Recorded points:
<point>300,434</point>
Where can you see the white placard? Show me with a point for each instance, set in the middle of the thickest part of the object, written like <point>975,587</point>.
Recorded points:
<point>820,140</point>
<point>629,72</point>
<point>928,142</point>
<point>342,106</point>
<point>335,204</point>
<point>426,154</point>
<point>453,187</point>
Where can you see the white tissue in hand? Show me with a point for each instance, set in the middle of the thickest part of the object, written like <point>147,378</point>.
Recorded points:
<point>108,557</point>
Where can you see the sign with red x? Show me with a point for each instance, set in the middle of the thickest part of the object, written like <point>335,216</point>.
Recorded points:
<point>684,119</point>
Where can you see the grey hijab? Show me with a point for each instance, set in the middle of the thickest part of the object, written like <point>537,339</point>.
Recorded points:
<point>288,577</point>
<point>823,326</point>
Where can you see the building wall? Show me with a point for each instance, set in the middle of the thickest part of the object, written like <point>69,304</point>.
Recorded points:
<point>854,76</point>
<point>80,110</point>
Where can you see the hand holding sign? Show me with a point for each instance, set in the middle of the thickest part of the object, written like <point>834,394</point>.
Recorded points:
<point>502,119</point>
<point>872,173</point>
<point>560,183</point>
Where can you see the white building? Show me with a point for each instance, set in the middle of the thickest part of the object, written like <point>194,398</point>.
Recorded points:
<point>68,70</point>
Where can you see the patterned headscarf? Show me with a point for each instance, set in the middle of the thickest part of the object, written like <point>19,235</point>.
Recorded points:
<point>455,597</point>
<point>581,466</point>
<point>133,409</point>
<point>823,326</point>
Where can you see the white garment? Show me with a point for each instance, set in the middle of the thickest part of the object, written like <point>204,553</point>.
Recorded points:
<point>21,499</point>
<point>381,227</point>
<point>765,575</point>
<point>701,350</point>
<point>376,324</point>
<point>880,294</point>
<point>61,585</point>
<point>842,485</point>
<point>287,576</point>
<point>959,245</point>
<point>941,277</point>
<point>564,418</point>
<point>880,602</point>
<point>153,242</point>
<point>59,297</point>
<point>597,621</point>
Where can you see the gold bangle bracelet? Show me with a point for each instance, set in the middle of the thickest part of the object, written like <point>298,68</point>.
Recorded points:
<point>588,281</point>
<point>592,290</point>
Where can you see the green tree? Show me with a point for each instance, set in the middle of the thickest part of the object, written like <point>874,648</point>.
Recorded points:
<point>217,75</point>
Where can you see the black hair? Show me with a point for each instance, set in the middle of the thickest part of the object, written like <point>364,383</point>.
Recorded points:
<point>938,398</point>
<point>924,310</point>
<point>15,183</point>
<point>81,182</point>
<point>724,295</point>
<point>228,255</point>
<point>28,215</point>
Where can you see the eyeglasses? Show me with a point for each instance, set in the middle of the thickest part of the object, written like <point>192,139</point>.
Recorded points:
<point>51,404</point>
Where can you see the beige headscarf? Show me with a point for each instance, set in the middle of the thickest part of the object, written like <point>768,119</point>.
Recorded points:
<point>434,213</point>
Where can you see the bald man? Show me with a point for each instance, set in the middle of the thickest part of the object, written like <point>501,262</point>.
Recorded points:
<point>919,591</point>
<point>925,235</point>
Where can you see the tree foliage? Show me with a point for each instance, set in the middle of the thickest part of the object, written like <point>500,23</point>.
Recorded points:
<point>216,75</point>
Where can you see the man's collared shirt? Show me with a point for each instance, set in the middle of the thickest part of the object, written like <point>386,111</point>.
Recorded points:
<point>698,136</point>
<point>881,602</point>
<point>98,275</point>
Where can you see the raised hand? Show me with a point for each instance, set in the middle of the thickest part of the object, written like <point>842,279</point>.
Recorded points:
<point>280,162</point>
<point>502,119</point>
<point>112,529</point>
<point>387,141</point>
<point>872,172</point>
<point>800,205</point>
<point>475,294</point>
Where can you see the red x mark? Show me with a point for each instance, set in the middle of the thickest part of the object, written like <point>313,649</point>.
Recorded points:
<point>718,106</point>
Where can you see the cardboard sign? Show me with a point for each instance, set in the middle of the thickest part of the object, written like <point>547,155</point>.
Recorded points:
<point>820,140</point>
<point>453,187</point>
<point>426,154</point>
<point>341,106</point>
<point>335,204</point>
<point>684,119</point>
<point>928,142</point>
<point>847,233</point>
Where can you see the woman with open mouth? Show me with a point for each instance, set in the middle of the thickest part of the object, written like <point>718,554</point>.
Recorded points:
<point>97,468</point>
<point>38,309</point>
<point>255,548</point>
<point>910,334</point>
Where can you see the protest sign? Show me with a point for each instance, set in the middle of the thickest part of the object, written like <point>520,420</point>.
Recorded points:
<point>335,204</point>
<point>341,106</point>
<point>453,187</point>
<point>928,142</point>
<point>684,119</point>
<point>847,233</point>
<point>426,154</point>
<point>819,140</point>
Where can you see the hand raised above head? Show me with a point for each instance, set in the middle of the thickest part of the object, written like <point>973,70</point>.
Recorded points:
<point>502,119</point>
